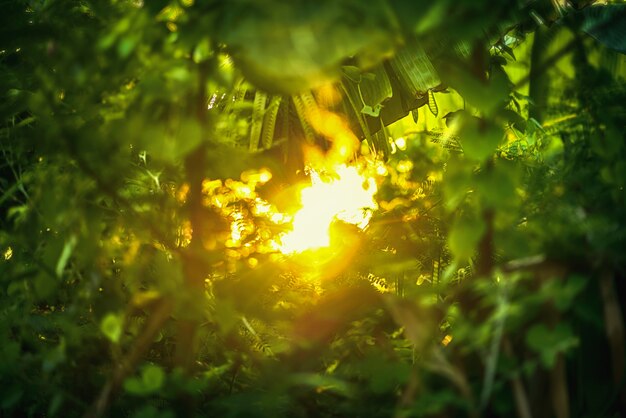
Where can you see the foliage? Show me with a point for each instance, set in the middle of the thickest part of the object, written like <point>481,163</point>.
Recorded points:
<point>150,154</point>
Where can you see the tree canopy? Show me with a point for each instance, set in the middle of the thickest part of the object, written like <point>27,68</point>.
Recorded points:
<point>331,208</point>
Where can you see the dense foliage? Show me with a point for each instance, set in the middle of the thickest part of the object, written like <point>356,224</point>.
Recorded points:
<point>150,150</point>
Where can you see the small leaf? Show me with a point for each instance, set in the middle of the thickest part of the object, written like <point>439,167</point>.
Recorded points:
<point>432,104</point>
<point>323,383</point>
<point>153,377</point>
<point>371,111</point>
<point>68,248</point>
<point>151,380</point>
<point>111,326</point>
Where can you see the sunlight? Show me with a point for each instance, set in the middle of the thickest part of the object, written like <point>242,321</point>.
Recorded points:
<point>347,196</point>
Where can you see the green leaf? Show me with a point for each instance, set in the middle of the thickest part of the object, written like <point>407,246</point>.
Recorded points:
<point>564,297</point>
<point>479,137</point>
<point>151,380</point>
<point>55,404</point>
<point>295,49</point>
<point>152,377</point>
<point>414,70</point>
<point>65,255</point>
<point>374,90</point>
<point>550,342</point>
<point>111,326</point>
<point>607,24</point>
<point>54,357</point>
<point>321,382</point>
<point>432,103</point>
<point>496,187</point>
<point>256,125</point>
<point>464,237</point>
<point>269,122</point>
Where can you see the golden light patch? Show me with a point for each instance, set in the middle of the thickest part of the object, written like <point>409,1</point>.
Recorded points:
<point>346,195</point>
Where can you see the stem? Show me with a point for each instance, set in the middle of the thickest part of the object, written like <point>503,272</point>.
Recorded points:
<point>129,363</point>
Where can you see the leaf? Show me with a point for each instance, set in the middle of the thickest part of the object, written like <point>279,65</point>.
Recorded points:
<point>54,357</point>
<point>111,326</point>
<point>258,111</point>
<point>415,114</point>
<point>374,91</point>
<point>566,295</point>
<point>269,124</point>
<point>65,255</point>
<point>55,404</point>
<point>479,137</point>
<point>151,380</point>
<point>488,96</point>
<point>550,342</point>
<point>303,108</point>
<point>497,187</point>
<point>607,24</point>
<point>295,49</point>
<point>414,70</point>
<point>380,141</point>
<point>321,382</point>
<point>464,237</point>
<point>432,104</point>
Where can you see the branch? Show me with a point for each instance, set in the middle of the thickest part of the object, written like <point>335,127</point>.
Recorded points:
<point>129,363</point>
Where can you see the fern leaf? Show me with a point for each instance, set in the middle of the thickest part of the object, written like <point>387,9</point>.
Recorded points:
<point>301,110</point>
<point>258,110</point>
<point>269,122</point>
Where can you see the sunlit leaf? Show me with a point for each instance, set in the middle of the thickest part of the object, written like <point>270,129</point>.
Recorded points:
<point>111,326</point>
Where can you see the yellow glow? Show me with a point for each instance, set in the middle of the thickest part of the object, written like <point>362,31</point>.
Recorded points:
<point>347,196</point>
<point>8,253</point>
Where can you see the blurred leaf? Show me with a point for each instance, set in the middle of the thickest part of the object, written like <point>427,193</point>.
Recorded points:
<point>111,326</point>
<point>607,24</point>
<point>479,137</point>
<point>550,342</point>
<point>321,383</point>
<point>151,380</point>
<point>464,237</point>
<point>65,255</point>
<point>55,404</point>
<point>295,49</point>
<point>55,356</point>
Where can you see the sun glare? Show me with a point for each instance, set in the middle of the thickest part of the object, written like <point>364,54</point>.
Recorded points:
<point>342,188</point>
<point>346,195</point>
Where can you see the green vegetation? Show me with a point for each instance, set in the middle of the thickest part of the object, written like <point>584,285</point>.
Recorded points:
<point>154,154</point>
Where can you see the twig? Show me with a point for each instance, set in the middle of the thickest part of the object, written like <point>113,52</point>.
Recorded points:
<point>519,392</point>
<point>129,363</point>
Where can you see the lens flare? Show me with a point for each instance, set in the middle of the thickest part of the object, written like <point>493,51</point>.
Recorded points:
<point>344,195</point>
